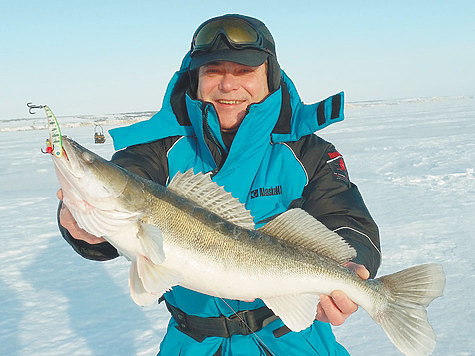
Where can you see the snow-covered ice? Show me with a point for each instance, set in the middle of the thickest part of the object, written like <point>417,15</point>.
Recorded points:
<point>412,159</point>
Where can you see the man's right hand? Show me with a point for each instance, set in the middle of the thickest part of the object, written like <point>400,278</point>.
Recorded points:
<point>67,220</point>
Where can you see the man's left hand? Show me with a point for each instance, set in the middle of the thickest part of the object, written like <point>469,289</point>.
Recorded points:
<point>337,307</point>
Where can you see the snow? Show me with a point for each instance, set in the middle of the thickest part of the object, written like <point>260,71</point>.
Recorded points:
<point>412,159</point>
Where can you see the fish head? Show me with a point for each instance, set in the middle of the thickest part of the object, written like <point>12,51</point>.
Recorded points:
<point>88,179</point>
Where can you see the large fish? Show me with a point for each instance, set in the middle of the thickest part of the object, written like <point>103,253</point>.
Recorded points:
<point>195,234</point>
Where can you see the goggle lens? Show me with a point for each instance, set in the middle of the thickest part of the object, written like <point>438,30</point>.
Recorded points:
<point>237,32</point>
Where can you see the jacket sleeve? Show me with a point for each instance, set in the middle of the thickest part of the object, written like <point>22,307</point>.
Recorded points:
<point>335,201</point>
<point>147,160</point>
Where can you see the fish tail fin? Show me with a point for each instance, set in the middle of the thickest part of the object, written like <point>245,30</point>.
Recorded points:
<point>404,316</point>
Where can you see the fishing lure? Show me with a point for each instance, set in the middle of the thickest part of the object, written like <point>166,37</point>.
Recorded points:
<point>55,143</point>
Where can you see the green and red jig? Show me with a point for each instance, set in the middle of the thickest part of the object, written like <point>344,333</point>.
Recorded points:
<point>54,145</point>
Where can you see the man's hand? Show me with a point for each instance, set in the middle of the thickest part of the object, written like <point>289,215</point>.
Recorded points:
<point>67,220</point>
<point>337,307</point>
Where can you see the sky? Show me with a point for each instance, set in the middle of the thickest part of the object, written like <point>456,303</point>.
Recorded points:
<point>102,56</point>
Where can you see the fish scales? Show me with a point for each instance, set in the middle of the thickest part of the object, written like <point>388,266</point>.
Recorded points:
<point>256,256</point>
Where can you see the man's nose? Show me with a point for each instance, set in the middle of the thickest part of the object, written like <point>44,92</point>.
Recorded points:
<point>228,82</point>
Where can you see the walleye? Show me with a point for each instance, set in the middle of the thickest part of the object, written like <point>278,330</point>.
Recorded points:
<point>195,234</point>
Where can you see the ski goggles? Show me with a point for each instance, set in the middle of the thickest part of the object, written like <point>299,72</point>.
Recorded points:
<point>239,33</point>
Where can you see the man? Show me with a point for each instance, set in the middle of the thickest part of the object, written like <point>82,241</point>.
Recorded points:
<point>232,111</point>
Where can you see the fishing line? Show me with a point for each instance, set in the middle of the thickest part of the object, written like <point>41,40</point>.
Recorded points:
<point>247,325</point>
<point>242,320</point>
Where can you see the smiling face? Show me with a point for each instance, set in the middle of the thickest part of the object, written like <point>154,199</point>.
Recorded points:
<point>231,88</point>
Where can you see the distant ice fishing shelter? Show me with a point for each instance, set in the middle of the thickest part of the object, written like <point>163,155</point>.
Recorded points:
<point>99,134</point>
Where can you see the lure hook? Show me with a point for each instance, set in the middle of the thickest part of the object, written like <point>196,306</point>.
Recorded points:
<point>31,107</point>
<point>49,148</point>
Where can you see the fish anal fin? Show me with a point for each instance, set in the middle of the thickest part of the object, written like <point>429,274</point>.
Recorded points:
<point>298,227</point>
<point>200,189</point>
<point>296,311</point>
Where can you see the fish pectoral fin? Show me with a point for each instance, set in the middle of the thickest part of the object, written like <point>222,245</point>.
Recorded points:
<point>298,227</point>
<point>156,279</point>
<point>297,311</point>
<point>139,238</point>
<point>151,239</point>
<point>206,193</point>
<point>138,292</point>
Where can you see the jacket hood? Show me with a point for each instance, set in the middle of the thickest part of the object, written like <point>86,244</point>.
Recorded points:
<point>294,119</point>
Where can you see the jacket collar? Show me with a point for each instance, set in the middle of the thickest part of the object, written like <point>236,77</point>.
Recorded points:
<point>281,117</point>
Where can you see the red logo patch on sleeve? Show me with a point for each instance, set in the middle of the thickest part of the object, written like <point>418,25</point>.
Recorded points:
<point>342,164</point>
<point>338,167</point>
<point>334,154</point>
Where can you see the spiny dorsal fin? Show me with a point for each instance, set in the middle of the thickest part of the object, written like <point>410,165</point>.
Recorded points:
<point>200,189</point>
<point>300,228</point>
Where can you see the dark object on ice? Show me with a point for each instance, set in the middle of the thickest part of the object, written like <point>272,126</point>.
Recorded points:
<point>99,134</point>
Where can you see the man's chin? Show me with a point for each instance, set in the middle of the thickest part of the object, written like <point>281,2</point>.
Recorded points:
<point>230,122</point>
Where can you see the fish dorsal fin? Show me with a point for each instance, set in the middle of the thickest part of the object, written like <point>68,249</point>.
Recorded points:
<point>200,189</point>
<point>296,311</point>
<point>298,227</point>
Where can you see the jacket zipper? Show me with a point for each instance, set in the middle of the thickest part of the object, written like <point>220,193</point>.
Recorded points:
<point>212,138</point>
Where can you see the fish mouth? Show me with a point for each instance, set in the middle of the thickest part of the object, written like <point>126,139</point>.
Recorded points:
<point>69,170</point>
<point>69,162</point>
<point>86,176</point>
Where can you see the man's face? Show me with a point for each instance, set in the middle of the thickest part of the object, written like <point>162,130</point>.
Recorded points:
<point>231,88</point>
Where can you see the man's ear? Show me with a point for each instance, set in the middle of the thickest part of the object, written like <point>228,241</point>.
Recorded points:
<point>273,73</point>
<point>193,76</point>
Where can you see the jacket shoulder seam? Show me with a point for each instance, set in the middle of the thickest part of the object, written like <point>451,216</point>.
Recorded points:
<point>178,138</point>
<point>361,233</point>
<point>297,159</point>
